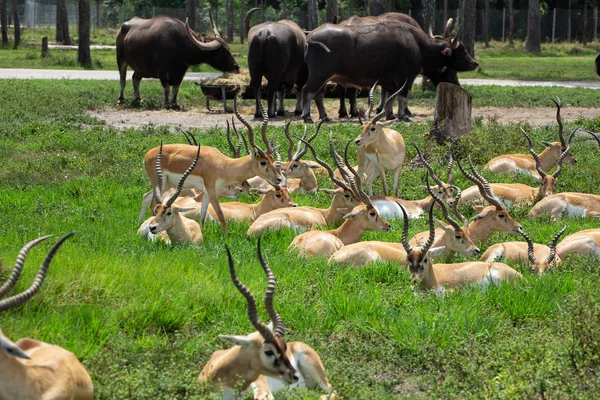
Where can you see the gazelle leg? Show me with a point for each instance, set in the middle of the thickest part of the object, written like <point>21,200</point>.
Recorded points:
<point>214,201</point>
<point>261,390</point>
<point>203,210</point>
<point>381,175</point>
<point>396,176</point>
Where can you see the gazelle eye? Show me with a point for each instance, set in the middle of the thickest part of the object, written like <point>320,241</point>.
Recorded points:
<point>457,237</point>
<point>263,163</point>
<point>269,353</point>
<point>372,129</point>
<point>347,196</point>
<point>500,215</point>
<point>425,260</point>
<point>278,195</point>
<point>169,213</point>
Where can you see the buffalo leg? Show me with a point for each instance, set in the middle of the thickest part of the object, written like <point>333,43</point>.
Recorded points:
<point>257,112</point>
<point>342,112</point>
<point>309,92</point>
<point>272,88</point>
<point>298,110</point>
<point>174,94</point>
<point>136,79</point>
<point>123,81</point>
<point>281,108</point>
<point>166,92</point>
<point>319,97</point>
<point>352,99</point>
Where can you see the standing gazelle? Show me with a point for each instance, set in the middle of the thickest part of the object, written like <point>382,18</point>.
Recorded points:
<point>379,148</point>
<point>30,369</point>
<point>540,256</point>
<point>264,354</point>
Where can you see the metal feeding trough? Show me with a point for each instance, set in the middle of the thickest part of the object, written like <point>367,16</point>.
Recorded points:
<point>226,92</point>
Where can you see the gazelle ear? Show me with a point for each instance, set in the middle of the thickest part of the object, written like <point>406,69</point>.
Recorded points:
<point>311,165</point>
<point>258,190</point>
<point>538,179</point>
<point>478,208</point>
<point>255,153</point>
<point>548,144</point>
<point>181,209</point>
<point>243,341</point>
<point>387,123</point>
<point>12,349</point>
<point>436,251</point>
<point>442,225</point>
<point>343,210</point>
<point>480,216</point>
<point>352,214</point>
<point>330,192</point>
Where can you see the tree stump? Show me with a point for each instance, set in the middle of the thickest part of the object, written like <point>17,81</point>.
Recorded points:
<point>452,117</point>
<point>45,52</point>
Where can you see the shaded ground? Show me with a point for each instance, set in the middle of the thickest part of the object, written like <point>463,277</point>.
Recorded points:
<point>198,117</point>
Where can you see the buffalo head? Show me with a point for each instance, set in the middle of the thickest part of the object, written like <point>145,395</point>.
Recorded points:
<point>457,57</point>
<point>219,56</point>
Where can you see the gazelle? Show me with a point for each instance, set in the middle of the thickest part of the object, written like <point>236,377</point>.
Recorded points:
<point>586,242</point>
<point>32,369</point>
<point>167,216</point>
<point>388,206</point>
<point>363,217</point>
<point>379,146</point>
<point>273,199</point>
<point>439,276</point>
<point>518,193</point>
<point>214,170</point>
<point>302,218</point>
<point>521,163</point>
<point>263,359</point>
<point>300,173</point>
<point>573,204</point>
<point>540,256</point>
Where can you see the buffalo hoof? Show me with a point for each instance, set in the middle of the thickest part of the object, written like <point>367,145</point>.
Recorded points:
<point>405,118</point>
<point>138,102</point>
<point>343,114</point>
<point>257,115</point>
<point>120,100</point>
<point>390,117</point>
<point>408,112</point>
<point>354,114</point>
<point>280,113</point>
<point>325,119</point>
<point>308,120</point>
<point>175,107</point>
<point>297,113</point>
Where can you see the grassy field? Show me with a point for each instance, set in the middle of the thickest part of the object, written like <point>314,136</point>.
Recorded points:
<point>144,318</point>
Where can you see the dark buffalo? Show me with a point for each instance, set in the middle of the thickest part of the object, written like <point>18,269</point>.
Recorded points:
<point>164,48</point>
<point>387,51</point>
<point>598,65</point>
<point>276,51</point>
<point>444,75</point>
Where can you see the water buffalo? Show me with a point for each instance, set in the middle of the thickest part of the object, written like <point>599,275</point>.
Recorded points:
<point>276,51</point>
<point>386,51</point>
<point>164,48</point>
<point>598,65</point>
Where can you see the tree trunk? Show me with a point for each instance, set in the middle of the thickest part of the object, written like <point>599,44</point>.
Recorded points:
<point>511,23</point>
<point>98,12</point>
<point>332,10</point>
<point>242,25</point>
<point>313,16</point>
<point>45,52</point>
<point>452,117</point>
<point>534,28</point>
<point>230,21</point>
<point>284,9</point>
<point>469,21</point>
<point>17,24</point>
<point>388,5</point>
<point>62,23</point>
<point>429,16</point>
<point>190,12</point>
<point>83,48</point>
<point>376,7</point>
<point>585,22</point>
<point>445,19</point>
<point>3,22</point>
<point>486,22</point>
<point>569,22</point>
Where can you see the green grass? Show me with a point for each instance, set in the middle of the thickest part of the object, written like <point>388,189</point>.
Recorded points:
<point>144,317</point>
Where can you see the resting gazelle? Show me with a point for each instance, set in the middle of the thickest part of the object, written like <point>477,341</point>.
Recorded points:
<point>300,173</point>
<point>586,242</point>
<point>263,359</point>
<point>32,369</point>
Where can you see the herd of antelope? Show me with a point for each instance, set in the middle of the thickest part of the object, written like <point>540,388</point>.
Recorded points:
<point>188,180</point>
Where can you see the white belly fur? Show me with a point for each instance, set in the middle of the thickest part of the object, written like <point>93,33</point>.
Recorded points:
<point>575,211</point>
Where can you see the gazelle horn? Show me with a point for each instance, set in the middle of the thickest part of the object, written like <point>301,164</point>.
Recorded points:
<point>260,152</point>
<point>405,243</point>
<point>371,101</point>
<point>452,222</point>
<point>363,196</point>
<point>560,122</point>
<point>429,167</point>
<point>458,214</point>
<point>289,138</point>
<point>388,100</point>
<point>159,176</point>
<point>536,157</point>
<point>529,246</point>
<point>174,196</point>
<point>553,244</point>
<point>327,167</point>
<point>264,125</point>
<point>278,324</point>
<point>234,152</point>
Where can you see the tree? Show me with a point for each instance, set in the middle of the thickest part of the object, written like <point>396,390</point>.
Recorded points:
<point>534,28</point>
<point>17,24</point>
<point>429,16</point>
<point>190,12</point>
<point>569,22</point>
<point>83,33</point>
<point>242,25</point>
<point>376,7</point>
<point>283,9</point>
<point>62,23</point>
<point>585,22</point>
<point>4,22</point>
<point>469,20</point>
<point>229,4</point>
<point>486,22</point>
<point>511,23</point>
<point>445,12</point>
<point>313,17</point>
<point>332,10</point>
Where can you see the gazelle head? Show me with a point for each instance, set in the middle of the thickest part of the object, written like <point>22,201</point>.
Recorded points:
<point>539,266</point>
<point>444,190</point>
<point>165,212</point>
<point>275,197</point>
<point>496,214</point>
<point>548,182</point>
<point>264,165</point>
<point>267,344</point>
<point>372,129</point>
<point>7,347</point>
<point>419,259</point>
<point>459,237</point>
<point>343,196</point>
<point>296,167</point>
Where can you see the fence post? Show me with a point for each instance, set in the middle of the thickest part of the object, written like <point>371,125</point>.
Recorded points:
<point>553,24</point>
<point>410,12</point>
<point>595,23</point>
<point>503,22</point>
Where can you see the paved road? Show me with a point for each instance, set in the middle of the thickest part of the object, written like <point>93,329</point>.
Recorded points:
<point>9,73</point>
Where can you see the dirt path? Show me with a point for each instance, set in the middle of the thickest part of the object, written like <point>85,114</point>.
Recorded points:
<point>201,119</point>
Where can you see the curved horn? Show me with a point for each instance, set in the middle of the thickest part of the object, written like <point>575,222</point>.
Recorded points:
<point>241,139</point>
<point>174,196</point>
<point>191,139</point>
<point>560,122</point>
<point>489,195</point>
<point>339,162</point>
<point>261,327</point>
<point>538,165</point>
<point>371,101</point>
<point>326,166</point>
<point>310,139</point>
<point>247,18</point>
<point>388,100</point>
<point>560,161</point>
<point>529,246</point>
<point>22,297</point>
<point>16,274</point>
<point>405,243</point>
<point>296,156</point>
<point>454,41</point>
<point>212,45</point>
<point>250,131</point>
<point>591,133</point>
<point>265,123</point>
<point>430,32</point>
<point>234,153</point>
<point>363,196</point>
<point>481,187</point>
<point>448,28</point>
<point>455,210</point>
<point>447,217</point>
<point>159,176</point>
<point>553,244</point>
<point>289,138</point>
<point>214,26</point>
<point>431,238</point>
<point>360,122</point>
<point>450,162</point>
<point>429,167</point>
<point>278,324</point>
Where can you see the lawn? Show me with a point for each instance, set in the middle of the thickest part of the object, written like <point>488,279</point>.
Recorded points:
<point>145,317</point>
